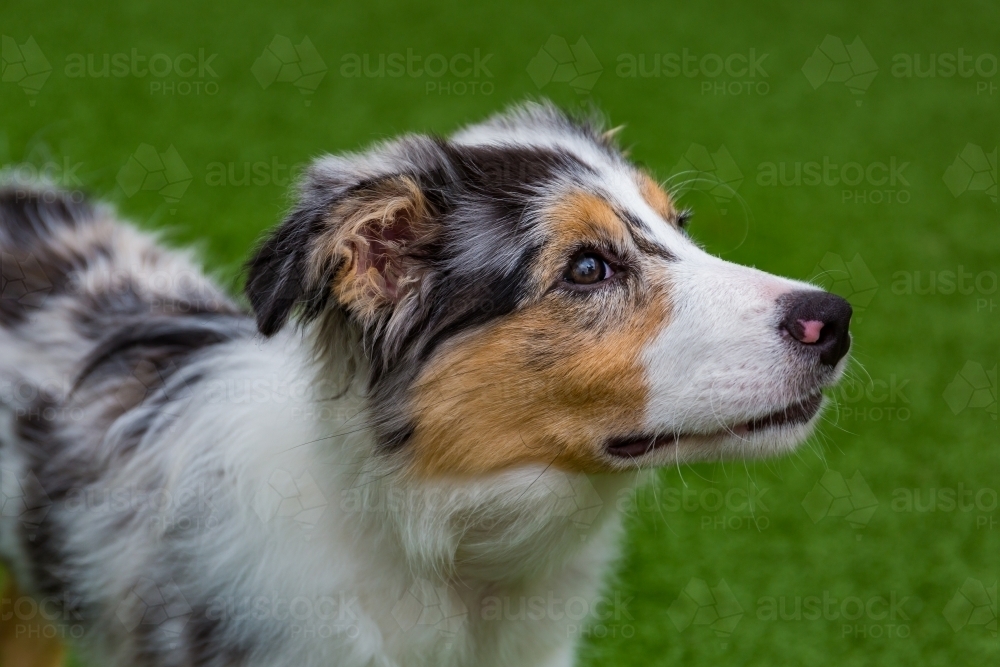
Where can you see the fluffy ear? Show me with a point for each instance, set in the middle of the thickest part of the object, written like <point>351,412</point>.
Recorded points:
<point>379,245</point>
<point>363,246</point>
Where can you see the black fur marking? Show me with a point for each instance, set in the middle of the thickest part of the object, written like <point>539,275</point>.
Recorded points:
<point>30,213</point>
<point>162,341</point>
<point>637,227</point>
<point>158,409</point>
<point>503,180</point>
<point>513,174</point>
<point>37,429</point>
<point>683,218</point>
<point>205,642</point>
<point>31,270</point>
<point>631,221</point>
<point>465,304</point>
<point>490,196</point>
<point>276,273</point>
<point>654,249</point>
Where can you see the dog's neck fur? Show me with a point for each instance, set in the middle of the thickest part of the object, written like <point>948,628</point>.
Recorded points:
<point>514,526</point>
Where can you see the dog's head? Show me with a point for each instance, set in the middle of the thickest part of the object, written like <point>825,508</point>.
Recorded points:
<point>524,294</point>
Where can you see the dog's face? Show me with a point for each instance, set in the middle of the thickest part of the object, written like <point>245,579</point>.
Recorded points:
<point>524,294</point>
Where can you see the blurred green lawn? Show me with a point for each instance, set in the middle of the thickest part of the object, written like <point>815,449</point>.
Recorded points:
<point>706,579</point>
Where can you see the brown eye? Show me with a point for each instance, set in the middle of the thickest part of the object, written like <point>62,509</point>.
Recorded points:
<point>588,268</point>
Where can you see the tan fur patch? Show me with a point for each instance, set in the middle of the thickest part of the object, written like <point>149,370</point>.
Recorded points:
<point>550,383</point>
<point>655,196</point>
<point>577,219</point>
<point>581,216</point>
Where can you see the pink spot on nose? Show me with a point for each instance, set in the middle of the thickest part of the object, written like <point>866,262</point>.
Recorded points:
<point>810,330</point>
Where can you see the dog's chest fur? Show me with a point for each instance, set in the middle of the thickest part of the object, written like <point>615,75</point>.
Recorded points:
<point>403,572</point>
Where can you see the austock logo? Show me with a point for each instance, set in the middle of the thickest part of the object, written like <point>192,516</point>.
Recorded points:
<point>974,387</point>
<point>948,282</point>
<point>148,170</point>
<point>980,503</point>
<point>736,508</point>
<point>702,605</point>
<point>179,74</point>
<point>880,181</point>
<point>860,617</point>
<point>430,607</point>
<point>731,75</point>
<point>974,170</point>
<point>160,610</point>
<point>947,65</point>
<point>851,280</point>
<point>973,605</point>
<point>24,65</point>
<point>24,282</point>
<point>575,498</point>
<point>835,496</point>
<point>260,173</point>
<point>713,173</point>
<point>283,62</point>
<point>456,74</point>
<point>558,62</point>
<point>22,497</point>
<point>600,616</point>
<point>42,166</point>
<point>283,496</point>
<point>875,400</point>
<point>833,62</point>
<point>944,65</point>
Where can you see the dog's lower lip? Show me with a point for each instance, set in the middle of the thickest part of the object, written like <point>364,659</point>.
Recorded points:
<point>632,446</point>
<point>796,413</point>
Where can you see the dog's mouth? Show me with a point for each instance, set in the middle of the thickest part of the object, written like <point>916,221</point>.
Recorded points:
<point>801,412</point>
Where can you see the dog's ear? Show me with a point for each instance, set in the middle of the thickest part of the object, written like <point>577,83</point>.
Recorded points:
<point>360,243</point>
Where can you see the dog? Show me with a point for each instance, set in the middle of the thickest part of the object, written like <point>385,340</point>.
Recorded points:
<point>461,352</point>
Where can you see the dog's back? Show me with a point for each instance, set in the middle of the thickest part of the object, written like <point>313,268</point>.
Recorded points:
<point>74,282</point>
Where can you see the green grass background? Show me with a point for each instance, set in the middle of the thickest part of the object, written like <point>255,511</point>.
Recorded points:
<point>918,341</point>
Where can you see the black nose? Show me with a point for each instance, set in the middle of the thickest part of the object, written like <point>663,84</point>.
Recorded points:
<point>819,321</point>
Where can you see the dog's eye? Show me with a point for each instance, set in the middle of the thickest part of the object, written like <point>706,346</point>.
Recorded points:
<point>588,268</point>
